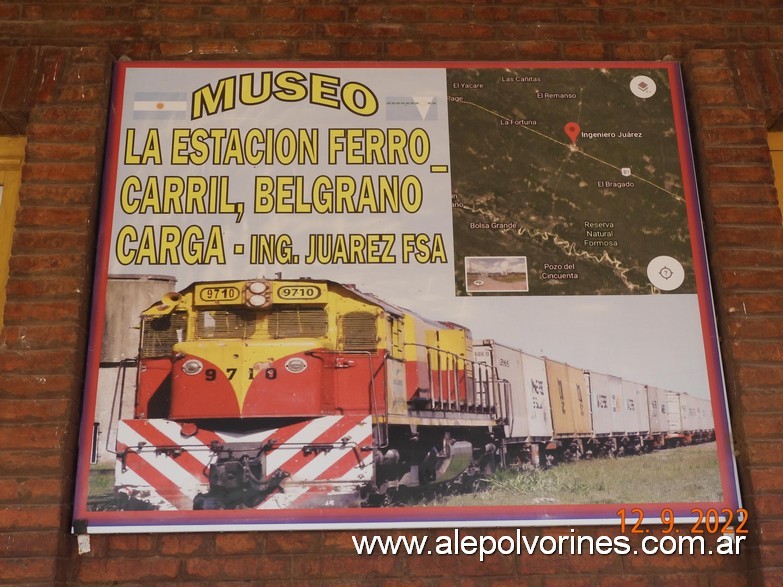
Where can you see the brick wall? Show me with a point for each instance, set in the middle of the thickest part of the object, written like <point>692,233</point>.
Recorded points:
<point>55,61</point>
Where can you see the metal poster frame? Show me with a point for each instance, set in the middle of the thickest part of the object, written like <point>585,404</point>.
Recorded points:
<point>338,295</point>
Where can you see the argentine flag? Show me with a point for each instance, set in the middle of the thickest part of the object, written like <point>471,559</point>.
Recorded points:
<point>160,105</point>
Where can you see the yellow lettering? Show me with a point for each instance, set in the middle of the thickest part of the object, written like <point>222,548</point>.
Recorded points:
<point>290,86</point>
<point>323,90</point>
<point>131,184</point>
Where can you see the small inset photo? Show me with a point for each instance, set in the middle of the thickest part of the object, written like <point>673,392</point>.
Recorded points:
<point>495,274</point>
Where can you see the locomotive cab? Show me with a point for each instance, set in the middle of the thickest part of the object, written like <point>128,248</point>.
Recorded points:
<point>259,349</point>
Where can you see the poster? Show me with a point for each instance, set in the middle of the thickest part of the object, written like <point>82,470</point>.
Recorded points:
<point>345,295</point>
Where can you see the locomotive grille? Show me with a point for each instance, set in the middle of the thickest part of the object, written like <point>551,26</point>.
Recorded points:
<point>358,332</point>
<point>160,333</point>
<point>298,322</point>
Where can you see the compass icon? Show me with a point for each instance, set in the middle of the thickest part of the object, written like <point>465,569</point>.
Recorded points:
<point>666,273</point>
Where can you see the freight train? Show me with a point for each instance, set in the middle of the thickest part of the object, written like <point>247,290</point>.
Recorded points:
<point>273,393</point>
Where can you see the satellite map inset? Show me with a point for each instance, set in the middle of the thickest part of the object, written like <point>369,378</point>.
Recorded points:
<point>578,170</point>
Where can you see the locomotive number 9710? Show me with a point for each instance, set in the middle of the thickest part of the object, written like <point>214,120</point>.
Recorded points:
<point>307,292</point>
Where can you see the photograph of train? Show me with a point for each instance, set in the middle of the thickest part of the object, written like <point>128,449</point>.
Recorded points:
<point>309,393</point>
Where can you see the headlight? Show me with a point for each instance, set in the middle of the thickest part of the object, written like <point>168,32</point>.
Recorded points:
<point>256,300</point>
<point>295,365</point>
<point>257,287</point>
<point>192,366</point>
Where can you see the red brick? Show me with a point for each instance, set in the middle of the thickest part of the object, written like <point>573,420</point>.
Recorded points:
<point>361,49</point>
<point>768,505</point>
<point>70,114</point>
<point>149,568</point>
<point>180,12</point>
<point>446,13</point>
<point>747,215</point>
<point>740,173</point>
<point>217,48</point>
<point>38,151</point>
<point>752,279</point>
<point>738,155</point>
<point>31,491</point>
<point>728,194</point>
<point>635,15</point>
<point>52,194</point>
<point>228,12</point>
<point>315,49</point>
<point>31,361</point>
<point>37,517</point>
<point>239,567</point>
<point>30,463</point>
<point>239,543</point>
<point>334,566</point>
<point>43,289</point>
<point>764,426</point>
<point>453,30</point>
<point>35,410</point>
<point>495,13</point>
<point>129,543</point>
<point>768,480</point>
<point>178,49</point>
<point>293,542</point>
<point>758,328</point>
<point>625,580</point>
<point>323,13</point>
<point>26,570</point>
<point>530,14</point>
<point>59,172</point>
<point>36,387</point>
<point>720,116</point>
<point>597,51</point>
<point>270,49</point>
<point>49,264</point>
<point>405,13</point>
<point>771,556</point>
<point>61,133</point>
<point>81,75</point>
<point>280,12</point>
<point>32,312</point>
<point>538,49</point>
<point>578,14</point>
<point>405,50</point>
<point>182,544</point>
<point>17,95</point>
<point>32,437</point>
<point>762,375</point>
<point>271,31</point>
<point>748,236</point>
<point>18,544</point>
<point>568,581</point>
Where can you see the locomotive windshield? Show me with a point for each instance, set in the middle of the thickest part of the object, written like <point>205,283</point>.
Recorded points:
<point>234,323</point>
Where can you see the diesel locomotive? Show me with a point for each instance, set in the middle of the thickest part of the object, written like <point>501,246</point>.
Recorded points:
<point>275,393</point>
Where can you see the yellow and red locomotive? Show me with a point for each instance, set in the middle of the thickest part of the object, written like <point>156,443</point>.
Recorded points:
<point>299,393</point>
<point>308,393</point>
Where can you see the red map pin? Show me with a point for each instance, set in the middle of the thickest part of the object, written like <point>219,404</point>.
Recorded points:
<point>572,130</point>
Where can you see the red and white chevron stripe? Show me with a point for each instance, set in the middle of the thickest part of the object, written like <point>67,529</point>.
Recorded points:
<point>167,469</point>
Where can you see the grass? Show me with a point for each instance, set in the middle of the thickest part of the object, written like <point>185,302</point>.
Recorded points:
<point>101,480</point>
<point>687,474</point>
